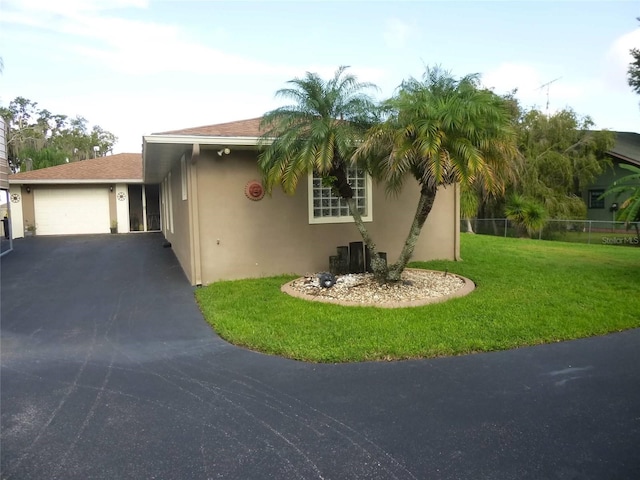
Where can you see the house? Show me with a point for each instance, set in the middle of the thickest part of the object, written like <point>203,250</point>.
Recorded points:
<point>202,188</point>
<point>89,196</point>
<point>626,150</point>
<point>221,225</point>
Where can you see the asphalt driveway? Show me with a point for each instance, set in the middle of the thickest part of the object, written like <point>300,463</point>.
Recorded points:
<point>110,372</point>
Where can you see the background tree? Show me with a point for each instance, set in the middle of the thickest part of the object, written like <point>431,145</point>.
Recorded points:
<point>560,155</point>
<point>36,138</point>
<point>440,131</point>
<point>528,215</point>
<point>469,204</point>
<point>633,73</point>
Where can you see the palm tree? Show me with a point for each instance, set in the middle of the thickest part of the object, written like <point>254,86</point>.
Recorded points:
<point>441,131</point>
<point>319,133</point>
<point>528,215</point>
<point>469,205</point>
<point>629,211</point>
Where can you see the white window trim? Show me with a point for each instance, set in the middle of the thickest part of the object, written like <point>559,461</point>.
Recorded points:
<point>347,218</point>
<point>183,176</point>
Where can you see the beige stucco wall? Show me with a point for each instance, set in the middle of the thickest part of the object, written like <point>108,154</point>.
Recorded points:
<point>28,207</point>
<point>240,238</point>
<point>180,237</point>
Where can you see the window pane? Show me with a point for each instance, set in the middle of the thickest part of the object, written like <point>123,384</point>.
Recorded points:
<point>594,200</point>
<point>328,204</point>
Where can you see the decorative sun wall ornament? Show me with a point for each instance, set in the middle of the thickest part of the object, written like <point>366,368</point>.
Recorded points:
<point>121,196</point>
<point>254,190</point>
<point>15,198</point>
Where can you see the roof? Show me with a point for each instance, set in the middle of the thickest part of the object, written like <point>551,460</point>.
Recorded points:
<point>123,167</point>
<point>161,150</point>
<point>627,147</point>
<point>240,128</point>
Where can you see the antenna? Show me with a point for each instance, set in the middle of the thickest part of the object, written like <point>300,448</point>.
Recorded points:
<point>548,84</point>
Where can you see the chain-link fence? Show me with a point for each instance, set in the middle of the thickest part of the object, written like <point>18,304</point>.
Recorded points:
<point>577,231</point>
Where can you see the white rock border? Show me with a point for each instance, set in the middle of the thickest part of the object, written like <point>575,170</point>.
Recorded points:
<point>467,287</point>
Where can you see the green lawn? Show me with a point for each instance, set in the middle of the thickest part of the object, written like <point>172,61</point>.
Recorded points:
<point>528,292</point>
<point>616,239</point>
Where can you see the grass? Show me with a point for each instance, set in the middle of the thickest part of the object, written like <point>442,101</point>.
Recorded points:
<point>626,239</point>
<point>528,292</point>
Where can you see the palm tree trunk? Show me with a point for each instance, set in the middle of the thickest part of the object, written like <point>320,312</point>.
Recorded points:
<point>469,226</point>
<point>425,204</point>
<point>378,265</point>
<point>341,184</point>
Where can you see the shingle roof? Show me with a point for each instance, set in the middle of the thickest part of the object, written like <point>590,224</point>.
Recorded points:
<point>123,166</point>
<point>241,128</point>
<point>627,147</point>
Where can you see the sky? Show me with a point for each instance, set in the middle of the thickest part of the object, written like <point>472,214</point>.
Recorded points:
<point>136,67</point>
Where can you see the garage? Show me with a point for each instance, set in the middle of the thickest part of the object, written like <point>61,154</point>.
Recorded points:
<point>71,210</point>
<point>94,196</point>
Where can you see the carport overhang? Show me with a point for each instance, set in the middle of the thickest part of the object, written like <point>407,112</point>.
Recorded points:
<point>96,181</point>
<point>161,152</point>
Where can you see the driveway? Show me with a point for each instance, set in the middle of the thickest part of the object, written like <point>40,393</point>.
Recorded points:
<point>110,372</point>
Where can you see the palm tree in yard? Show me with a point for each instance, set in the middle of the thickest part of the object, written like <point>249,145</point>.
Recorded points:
<point>318,132</point>
<point>440,131</point>
<point>630,208</point>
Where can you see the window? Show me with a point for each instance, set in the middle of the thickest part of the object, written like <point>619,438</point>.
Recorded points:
<point>327,207</point>
<point>594,199</point>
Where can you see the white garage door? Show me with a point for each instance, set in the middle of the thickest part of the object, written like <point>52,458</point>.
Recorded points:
<point>60,211</point>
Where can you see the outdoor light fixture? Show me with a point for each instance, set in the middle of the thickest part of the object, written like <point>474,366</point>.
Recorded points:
<point>28,188</point>
<point>111,188</point>
<point>224,151</point>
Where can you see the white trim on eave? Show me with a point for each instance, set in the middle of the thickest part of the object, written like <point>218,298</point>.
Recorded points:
<point>71,181</point>
<point>203,140</point>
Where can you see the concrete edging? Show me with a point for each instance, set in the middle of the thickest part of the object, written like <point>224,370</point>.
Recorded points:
<point>468,287</point>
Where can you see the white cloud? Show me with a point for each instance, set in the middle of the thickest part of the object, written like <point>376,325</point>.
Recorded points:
<point>508,76</point>
<point>127,46</point>
<point>618,58</point>
<point>538,86</point>
<point>397,33</point>
<point>66,7</point>
<point>130,116</point>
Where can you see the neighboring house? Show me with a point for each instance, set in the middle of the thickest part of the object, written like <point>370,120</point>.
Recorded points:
<point>625,151</point>
<point>222,227</point>
<point>88,196</point>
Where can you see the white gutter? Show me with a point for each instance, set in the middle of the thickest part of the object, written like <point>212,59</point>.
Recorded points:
<point>58,181</point>
<point>203,140</point>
